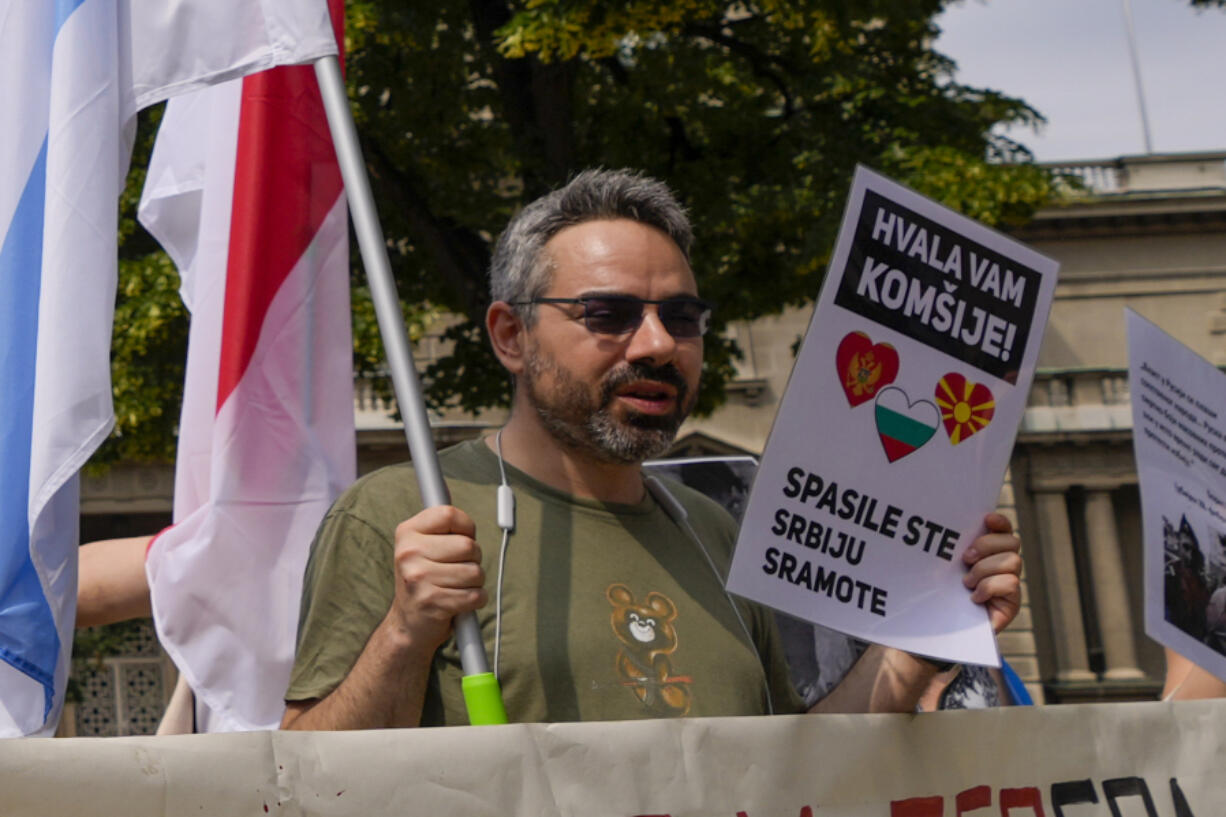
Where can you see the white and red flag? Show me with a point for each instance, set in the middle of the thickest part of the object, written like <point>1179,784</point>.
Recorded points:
<point>73,74</point>
<point>245,194</point>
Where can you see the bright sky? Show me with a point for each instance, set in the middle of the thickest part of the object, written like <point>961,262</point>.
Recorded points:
<point>1070,60</point>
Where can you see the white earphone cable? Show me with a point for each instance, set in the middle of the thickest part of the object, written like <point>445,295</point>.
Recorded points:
<point>506,521</point>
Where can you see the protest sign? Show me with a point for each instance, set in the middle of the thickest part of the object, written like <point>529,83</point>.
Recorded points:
<point>818,658</point>
<point>1092,760</point>
<point>894,434</point>
<point>1179,434</point>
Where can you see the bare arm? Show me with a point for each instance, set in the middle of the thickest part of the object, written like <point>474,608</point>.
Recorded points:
<point>890,680</point>
<point>438,576</point>
<point>385,688</point>
<point>111,583</point>
<point>883,680</point>
<point>1186,681</point>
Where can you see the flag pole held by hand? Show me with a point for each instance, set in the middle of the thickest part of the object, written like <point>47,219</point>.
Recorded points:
<point>482,696</point>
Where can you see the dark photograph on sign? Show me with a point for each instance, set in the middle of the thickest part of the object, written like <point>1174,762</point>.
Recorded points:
<point>1194,594</point>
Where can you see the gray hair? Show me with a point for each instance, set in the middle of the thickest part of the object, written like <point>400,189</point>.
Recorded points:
<point>520,269</point>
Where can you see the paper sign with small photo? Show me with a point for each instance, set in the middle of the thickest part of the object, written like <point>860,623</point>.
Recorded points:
<point>1179,434</point>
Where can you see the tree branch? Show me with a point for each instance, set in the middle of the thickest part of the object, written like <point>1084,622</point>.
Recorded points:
<point>460,256</point>
<point>536,104</point>
<point>762,64</point>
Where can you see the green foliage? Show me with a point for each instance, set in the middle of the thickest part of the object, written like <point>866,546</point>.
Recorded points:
<point>368,354</point>
<point>756,113</point>
<point>149,339</point>
<point>147,361</point>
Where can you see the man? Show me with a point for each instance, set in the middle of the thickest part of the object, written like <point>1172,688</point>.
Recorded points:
<point>606,604</point>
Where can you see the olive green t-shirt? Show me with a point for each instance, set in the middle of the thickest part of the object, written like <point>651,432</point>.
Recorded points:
<point>609,611</point>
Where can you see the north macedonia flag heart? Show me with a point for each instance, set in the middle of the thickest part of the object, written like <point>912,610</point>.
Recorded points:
<point>966,407</point>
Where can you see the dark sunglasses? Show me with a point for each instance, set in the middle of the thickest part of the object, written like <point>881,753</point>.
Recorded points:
<point>682,317</point>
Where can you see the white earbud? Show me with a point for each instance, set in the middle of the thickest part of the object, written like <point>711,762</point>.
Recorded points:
<point>506,506</point>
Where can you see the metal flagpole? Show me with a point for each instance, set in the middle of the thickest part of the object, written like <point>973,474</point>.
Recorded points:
<point>1136,74</point>
<point>482,696</point>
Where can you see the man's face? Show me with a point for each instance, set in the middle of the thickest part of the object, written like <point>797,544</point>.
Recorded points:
<point>617,398</point>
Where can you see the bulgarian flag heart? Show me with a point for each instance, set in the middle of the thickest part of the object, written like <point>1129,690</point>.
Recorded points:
<point>904,426</point>
<point>966,407</point>
<point>864,367</point>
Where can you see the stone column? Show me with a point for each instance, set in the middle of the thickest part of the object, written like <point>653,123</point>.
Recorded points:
<point>1060,573</point>
<point>1110,590</point>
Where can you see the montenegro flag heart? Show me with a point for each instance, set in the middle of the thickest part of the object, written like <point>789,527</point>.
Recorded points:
<point>966,407</point>
<point>904,426</point>
<point>864,367</point>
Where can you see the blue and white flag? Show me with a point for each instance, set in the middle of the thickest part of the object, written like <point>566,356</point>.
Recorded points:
<point>73,74</point>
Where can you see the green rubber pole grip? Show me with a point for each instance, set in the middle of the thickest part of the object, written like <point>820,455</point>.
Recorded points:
<point>483,698</point>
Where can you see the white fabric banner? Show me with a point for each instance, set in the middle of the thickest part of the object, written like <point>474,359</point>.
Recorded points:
<point>1124,760</point>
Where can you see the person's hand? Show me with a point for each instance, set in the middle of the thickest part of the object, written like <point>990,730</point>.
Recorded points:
<point>994,568</point>
<point>438,575</point>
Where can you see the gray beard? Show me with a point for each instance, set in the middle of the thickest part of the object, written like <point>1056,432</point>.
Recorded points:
<point>582,424</point>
